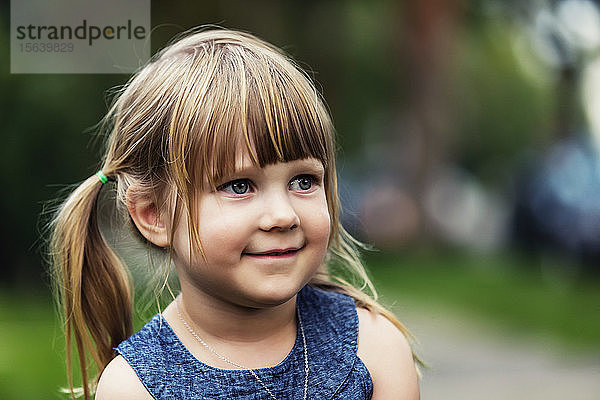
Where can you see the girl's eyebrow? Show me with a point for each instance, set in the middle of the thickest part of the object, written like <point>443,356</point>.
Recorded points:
<point>312,166</point>
<point>246,170</point>
<point>307,165</point>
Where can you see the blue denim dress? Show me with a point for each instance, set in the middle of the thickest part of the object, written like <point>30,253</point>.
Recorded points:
<point>169,371</point>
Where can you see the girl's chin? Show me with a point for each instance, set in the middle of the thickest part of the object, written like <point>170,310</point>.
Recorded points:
<point>274,296</point>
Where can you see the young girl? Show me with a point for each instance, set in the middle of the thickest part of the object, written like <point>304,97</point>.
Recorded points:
<point>222,153</point>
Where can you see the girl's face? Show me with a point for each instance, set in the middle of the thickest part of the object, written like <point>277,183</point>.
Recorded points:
<point>264,233</point>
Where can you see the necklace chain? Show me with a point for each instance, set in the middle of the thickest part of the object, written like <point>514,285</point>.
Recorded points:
<point>228,361</point>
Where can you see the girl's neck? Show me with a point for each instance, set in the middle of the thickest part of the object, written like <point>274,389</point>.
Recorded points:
<point>220,320</point>
<point>252,337</point>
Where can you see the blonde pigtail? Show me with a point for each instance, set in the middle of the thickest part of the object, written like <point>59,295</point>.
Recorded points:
<point>92,286</point>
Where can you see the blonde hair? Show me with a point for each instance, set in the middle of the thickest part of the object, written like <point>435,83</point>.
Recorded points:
<point>180,119</point>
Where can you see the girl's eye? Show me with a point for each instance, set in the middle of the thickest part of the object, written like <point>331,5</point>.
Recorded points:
<point>240,186</point>
<point>302,183</point>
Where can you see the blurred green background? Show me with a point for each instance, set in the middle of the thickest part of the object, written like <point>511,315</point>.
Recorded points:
<point>452,118</point>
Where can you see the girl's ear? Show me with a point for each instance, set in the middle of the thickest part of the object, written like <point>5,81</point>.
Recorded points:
<point>147,219</point>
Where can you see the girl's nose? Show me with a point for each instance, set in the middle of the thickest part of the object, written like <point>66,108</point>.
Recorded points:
<point>278,214</point>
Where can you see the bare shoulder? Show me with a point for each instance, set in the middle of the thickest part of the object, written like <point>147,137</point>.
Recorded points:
<point>119,381</point>
<point>387,355</point>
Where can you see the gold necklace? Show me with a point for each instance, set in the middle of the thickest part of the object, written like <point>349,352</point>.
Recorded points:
<point>228,361</point>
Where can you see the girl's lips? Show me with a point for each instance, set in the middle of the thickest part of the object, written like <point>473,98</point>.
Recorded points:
<point>275,253</point>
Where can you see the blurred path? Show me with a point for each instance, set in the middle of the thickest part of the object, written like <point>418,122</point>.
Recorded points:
<point>471,361</point>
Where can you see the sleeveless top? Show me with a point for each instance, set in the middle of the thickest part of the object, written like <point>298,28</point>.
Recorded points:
<point>169,371</point>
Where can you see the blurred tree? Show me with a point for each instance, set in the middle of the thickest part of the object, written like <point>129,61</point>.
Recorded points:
<point>429,41</point>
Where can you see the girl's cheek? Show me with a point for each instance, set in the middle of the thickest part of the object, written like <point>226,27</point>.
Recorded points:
<point>321,223</point>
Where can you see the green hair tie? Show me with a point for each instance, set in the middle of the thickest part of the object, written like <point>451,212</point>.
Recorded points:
<point>102,177</point>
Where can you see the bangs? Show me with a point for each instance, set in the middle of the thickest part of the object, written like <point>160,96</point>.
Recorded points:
<point>284,123</point>
<point>261,102</point>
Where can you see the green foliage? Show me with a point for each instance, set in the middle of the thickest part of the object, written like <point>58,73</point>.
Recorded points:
<point>31,365</point>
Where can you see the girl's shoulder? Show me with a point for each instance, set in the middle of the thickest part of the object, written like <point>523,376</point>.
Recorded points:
<point>386,353</point>
<point>119,381</point>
